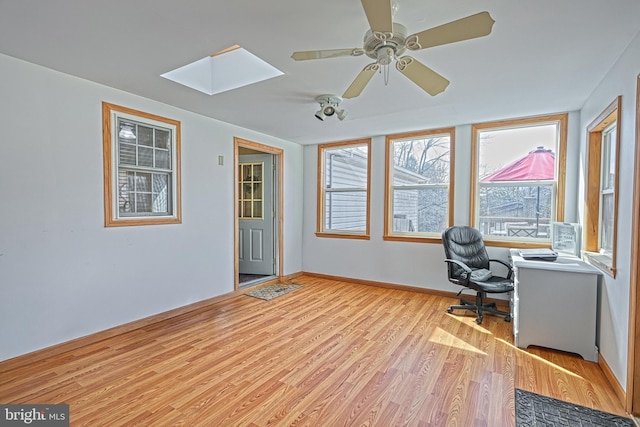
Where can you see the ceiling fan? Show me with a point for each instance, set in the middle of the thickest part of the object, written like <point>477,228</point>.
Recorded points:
<point>386,40</point>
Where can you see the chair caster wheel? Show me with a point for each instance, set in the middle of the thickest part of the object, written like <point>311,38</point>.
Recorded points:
<point>479,320</point>
<point>507,318</point>
<point>449,310</point>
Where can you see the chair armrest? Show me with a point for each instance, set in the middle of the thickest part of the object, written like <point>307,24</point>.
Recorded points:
<point>460,264</point>
<point>463,280</point>
<point>507,265</point>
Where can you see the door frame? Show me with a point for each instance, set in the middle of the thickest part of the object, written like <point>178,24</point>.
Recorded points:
<point>278,154</point>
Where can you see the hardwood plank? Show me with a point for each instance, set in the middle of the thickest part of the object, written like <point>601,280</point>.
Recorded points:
<point>329,353</point>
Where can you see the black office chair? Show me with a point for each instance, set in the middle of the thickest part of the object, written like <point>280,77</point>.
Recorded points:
<point>468,265</point>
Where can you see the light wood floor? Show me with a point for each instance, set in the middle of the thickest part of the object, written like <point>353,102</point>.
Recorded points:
<point>328,354</point>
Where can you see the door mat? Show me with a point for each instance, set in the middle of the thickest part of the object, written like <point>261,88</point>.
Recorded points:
<point>272,291</point>
<point>535,410</point>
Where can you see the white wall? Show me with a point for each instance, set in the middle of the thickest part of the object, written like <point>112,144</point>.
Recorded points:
<point>64,275</point>
<point>614,317</point>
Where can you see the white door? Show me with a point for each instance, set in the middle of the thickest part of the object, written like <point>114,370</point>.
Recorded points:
<point>256,214</point>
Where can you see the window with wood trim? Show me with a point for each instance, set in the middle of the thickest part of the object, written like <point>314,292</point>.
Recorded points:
<point>141,167</point>
<point>518,179</point>
<point>343,189</point>
<point>418,185</point>
<point>601,218</point>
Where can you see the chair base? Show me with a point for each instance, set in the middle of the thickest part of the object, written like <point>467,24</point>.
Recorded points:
<point>480,308</point>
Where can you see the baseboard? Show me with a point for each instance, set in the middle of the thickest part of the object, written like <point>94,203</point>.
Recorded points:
<point>57,349</point>
<point>615,384</point>
<point>290,277</point>
<point>504,304</point>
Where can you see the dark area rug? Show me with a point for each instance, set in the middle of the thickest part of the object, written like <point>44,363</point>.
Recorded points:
<point>272,291</point>
<point>535,410</point>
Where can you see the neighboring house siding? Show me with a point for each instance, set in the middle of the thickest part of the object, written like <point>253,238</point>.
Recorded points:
<point>346,210</point>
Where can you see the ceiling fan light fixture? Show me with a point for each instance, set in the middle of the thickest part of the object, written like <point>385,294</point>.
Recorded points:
<point>385,55</point>
<point>329,106</point>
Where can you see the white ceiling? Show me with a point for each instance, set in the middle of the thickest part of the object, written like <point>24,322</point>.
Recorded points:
<point>543,56</point>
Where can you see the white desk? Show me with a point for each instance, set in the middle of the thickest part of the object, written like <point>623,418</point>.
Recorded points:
<point>554,304</point>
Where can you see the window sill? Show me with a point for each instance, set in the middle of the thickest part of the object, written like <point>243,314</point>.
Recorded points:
<point>343,235</point>
<point>412,238</point>
<point>601,262</point>
<point>137,221</point>
<point>516,244</point>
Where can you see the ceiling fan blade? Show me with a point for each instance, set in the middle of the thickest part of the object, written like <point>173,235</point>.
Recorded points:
<point>329,53</point>
<point>430,81</point>
<point>379,15</point>
<point>473,26</point>
<point>361,81</point>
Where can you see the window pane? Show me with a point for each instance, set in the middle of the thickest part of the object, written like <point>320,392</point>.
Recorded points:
<point>145,156</point>
<point>145,135</point>
<point>143,182</point>
<point>257,209</point>
<point>521,154</point>
<point>515,210</point>
<point>346,167</point>
<point>161,193</point>
<point>257,172</point>
<point>127,154</point>
<point>609,157</point>
<point>421,161</point>
<point>420,210</point>
<point>606,230</point>
<point>162,159</point>
<point>163,138</point>
<point>126,131</point>
<point>143,203</point>
<point>345,211</point>
<point>125,191</point>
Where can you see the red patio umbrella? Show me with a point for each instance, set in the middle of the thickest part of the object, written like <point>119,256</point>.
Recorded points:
<point>539,164</point>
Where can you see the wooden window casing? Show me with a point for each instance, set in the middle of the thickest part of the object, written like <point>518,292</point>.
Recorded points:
<point>592,223</point>
<point>391,188</point>
<point>561,121</point>
<point>111,114</point>
<point>325,190</point>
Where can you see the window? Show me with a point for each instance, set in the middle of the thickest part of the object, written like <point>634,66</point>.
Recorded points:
<point>141,167</point>
<point>518,170</point>
<point>343,193</point>
<point>419,194</point>
<point>251,194</point>
<point>602,188</point>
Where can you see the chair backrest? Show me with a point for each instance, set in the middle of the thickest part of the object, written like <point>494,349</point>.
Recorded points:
<point>465,244</point>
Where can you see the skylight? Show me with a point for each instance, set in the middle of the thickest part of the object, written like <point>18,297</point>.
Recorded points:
<point>228,69</point>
